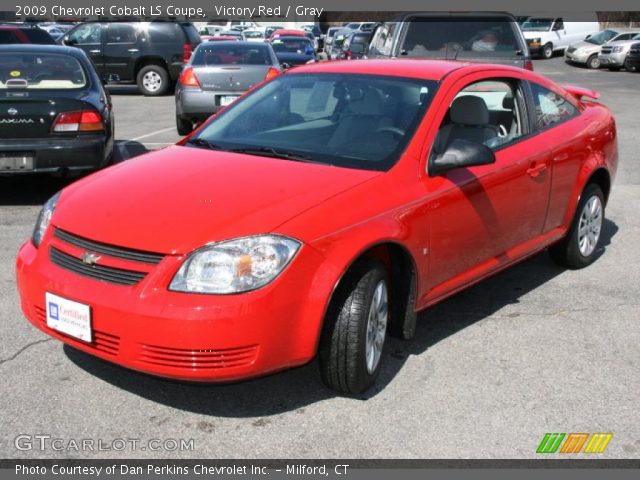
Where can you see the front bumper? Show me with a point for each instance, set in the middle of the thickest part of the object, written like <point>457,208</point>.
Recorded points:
<point>612,59</point>
<point>200,104</point>
<point>577,56</point>
<point>86,152</point>
<point>193,337</point>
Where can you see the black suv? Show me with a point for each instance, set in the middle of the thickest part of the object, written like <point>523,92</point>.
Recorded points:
<point>150,54</point>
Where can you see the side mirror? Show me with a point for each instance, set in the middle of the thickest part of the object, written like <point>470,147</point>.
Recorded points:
<point>587,37</point>
<point>285,66</point>
<point>461,154</point>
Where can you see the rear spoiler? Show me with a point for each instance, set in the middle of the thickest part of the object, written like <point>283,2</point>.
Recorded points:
<point>580,92</point>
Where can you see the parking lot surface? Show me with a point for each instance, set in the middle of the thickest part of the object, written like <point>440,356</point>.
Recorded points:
<point>535,349</point>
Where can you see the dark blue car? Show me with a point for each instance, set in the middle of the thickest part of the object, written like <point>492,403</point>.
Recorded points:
<point>293,50</point>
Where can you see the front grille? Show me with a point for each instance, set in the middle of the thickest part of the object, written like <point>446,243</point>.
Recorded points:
<point>102,341</point>
<point>571,49</point>
<point>634,51</point>
<point>606,49</point>
<point>198,359</point>
<point>99,272</point>
<point>111,250</point>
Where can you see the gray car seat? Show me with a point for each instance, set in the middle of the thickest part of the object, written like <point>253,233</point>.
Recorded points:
<point>469,120</point>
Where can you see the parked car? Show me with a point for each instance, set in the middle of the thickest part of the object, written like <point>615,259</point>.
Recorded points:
<point>355,46</point>
<point>237,25</point>
<point>55,115</point>
<point>363,27</point>
<point>317,214</point>
<point>253,36</point>
<point>217,74</point>
<point>149,54</point>
<point>632,63</point>
<point>286,32</point>
<point>334,50</point>
<point>269,30</point>
<point>586,51</point>
<point>292,51</point>
<point>328,39</point>
<point>479,37</point>
<point>548,35</point>
<point>613,54</point>
<point>237,34</point>
<point>14,34</point>
<point>314,40</point>
<point>218,38</point>
<point>317,34</point>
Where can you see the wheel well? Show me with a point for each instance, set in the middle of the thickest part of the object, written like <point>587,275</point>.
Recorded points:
<point>601,178</point>
<point>402,280</point>
<point>143,62</point>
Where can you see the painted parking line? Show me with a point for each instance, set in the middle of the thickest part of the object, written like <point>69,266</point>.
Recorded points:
<point>157,132</point>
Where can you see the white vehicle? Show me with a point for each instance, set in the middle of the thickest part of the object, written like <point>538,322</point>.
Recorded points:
<point>252,35</point>
<point>547,35</point>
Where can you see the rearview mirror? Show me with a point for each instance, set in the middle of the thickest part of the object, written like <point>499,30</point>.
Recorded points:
<point>461,154</point>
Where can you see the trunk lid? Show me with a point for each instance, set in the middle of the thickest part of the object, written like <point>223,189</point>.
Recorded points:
<point>230,78</point>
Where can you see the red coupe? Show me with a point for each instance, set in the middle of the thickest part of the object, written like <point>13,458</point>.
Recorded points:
<point>316,215</point>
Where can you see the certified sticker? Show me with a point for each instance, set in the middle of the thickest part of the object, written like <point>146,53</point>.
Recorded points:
<point>15,73</point>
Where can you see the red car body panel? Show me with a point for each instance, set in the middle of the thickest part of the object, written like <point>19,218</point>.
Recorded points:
<point>458,228</point>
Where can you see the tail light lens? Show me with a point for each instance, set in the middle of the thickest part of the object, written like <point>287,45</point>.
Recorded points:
<point>80,121</point>
<point>188,78</point>
<point>187,50</point>
<point>271,73</point>
<point>528,65</point>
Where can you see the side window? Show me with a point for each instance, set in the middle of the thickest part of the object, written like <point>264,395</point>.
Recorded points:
<point>121,33</point>
<point>383,39</point>
<point>86,34</point>
<point>486,112</point>
<point>559,24</point>
<point>625,36</point>
<point>551,108</point>
<point>7,37</point>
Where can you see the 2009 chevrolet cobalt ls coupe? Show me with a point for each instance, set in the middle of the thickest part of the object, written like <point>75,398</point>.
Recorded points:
<point>316,215</point>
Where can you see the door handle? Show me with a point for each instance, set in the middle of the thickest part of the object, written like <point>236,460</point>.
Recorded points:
<point>94,51</point>
<point>535,170</point>
<point>133,50</point>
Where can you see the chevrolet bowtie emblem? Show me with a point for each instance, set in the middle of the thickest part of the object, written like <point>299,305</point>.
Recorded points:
<point>90,258</point>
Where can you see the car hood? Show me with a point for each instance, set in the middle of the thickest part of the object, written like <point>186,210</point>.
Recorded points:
<point>180,198</point>
<point>585,46</point>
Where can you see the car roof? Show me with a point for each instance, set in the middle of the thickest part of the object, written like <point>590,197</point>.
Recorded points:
<point>40,48</point>
<point>408,68</point>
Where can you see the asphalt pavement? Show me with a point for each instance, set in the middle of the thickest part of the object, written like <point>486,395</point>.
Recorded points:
<point>533,350</point>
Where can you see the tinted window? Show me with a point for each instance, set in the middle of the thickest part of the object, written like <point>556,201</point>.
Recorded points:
<point>439,37</point>
<point>165,33</point>
<point>40,71</point>
<point>87,34</point>
<point>358,121</point>
<point>551,108</point>
<point>292,45</point>
<point>231,54</point>
<point>36,35</point>
<point>7,37</point>
<point>121,33</point>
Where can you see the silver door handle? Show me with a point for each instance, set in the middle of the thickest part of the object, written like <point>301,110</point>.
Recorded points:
<point>94,51</point>
<point>133,50</point>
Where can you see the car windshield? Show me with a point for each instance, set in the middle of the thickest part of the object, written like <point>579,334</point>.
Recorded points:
<point>537,25</point>
<point>291,45</point>
<point>346,120</point>
<point>253,34</point>
<point>40,71</point>
<point>460,38</point>
<point>230,54</point>
<point>601,37</point>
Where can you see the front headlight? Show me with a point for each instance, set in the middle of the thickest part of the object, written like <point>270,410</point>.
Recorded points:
<point>535,41</point>
<point>616,49</point>
<point>44,218</point>
<point>235,266</point>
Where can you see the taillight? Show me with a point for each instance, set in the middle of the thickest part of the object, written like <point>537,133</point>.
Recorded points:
<point>271,73</point>
<point>528,65</point>
<point>81,121</point>
<point>187,50</point>
<point>188,78</point>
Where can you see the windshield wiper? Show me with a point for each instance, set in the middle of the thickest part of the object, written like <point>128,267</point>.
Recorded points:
<point>274,152</point>
<point>201,142</point>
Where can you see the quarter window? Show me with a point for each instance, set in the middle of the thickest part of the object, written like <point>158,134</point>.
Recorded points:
<point>551,108</point>
<point>87,34</point>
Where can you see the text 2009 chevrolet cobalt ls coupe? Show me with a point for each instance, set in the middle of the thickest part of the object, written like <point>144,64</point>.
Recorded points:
<point>316,215</point>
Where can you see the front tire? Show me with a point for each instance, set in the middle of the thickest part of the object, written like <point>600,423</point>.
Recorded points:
<point>547,51</point>
<point>153,80</point>
<point>593,62</point>
<point>579,248</point>
<point>628,67</point>
<point>355,329</point>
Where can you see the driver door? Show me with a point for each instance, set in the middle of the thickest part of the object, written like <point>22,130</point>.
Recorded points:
<point>90,38</point>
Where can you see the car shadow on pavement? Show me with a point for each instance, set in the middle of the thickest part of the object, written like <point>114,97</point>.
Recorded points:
<point>294,389</point>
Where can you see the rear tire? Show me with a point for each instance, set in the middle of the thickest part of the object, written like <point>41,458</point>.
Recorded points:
<point>355,329</point>
<point>593,62</point>
<point>580,246</point>
<point>629,68</point>
<point>153,80</point>
<point>547,51</point>
<point>184,127</point>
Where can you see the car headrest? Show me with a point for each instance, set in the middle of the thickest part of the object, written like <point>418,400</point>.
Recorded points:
<point>469,110</point>
<point>370,102</point>
<point>508,102</point>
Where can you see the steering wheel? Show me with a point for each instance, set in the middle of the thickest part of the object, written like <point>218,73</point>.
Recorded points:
<point>395,130</point>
